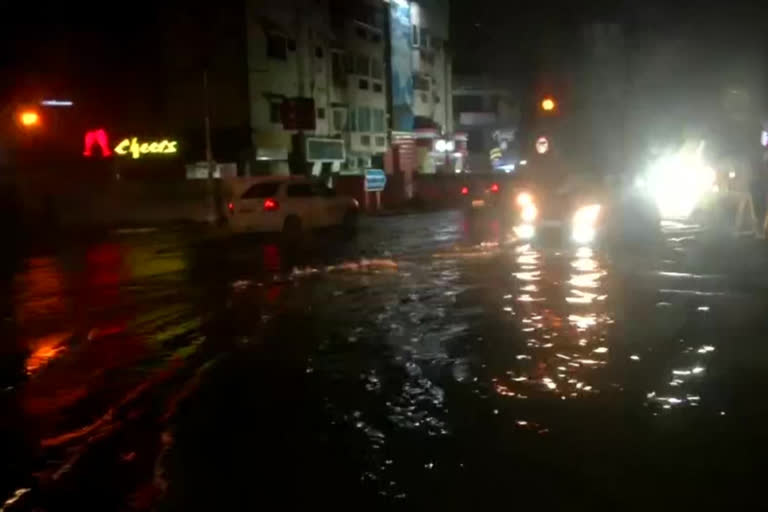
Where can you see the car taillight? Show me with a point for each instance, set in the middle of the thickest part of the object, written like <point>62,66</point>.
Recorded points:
<point>270,205</point>
<point>495,187</point>
<point>464,191</point>
<point>231,208</point>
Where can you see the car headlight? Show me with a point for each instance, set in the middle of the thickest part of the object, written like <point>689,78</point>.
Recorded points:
<point>529,213</point>
<point>584,222</point>
<point>586,215</point>
<point>678,182</point>
<point>524,199</point>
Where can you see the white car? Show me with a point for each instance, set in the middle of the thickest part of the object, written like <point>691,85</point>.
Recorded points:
<point>287,204</point>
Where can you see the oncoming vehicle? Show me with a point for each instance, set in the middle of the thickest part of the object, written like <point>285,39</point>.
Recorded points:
<point>584,216</point>
<point>287,204</point>
<point>575,213</point>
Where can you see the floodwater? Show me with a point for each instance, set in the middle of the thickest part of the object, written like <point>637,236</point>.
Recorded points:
<point>430,363</point>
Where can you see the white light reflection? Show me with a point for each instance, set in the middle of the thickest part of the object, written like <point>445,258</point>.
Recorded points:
<point>586,280</point>
<point>583,321</point>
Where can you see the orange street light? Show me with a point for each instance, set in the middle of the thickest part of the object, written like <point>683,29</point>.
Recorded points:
<point>29,118</point>
<point>548,104</point>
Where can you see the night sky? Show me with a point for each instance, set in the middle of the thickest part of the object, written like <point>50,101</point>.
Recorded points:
<point>80,49</point>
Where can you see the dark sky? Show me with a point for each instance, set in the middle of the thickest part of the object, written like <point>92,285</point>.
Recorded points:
<point>512,37</point>
<point>82,49</point>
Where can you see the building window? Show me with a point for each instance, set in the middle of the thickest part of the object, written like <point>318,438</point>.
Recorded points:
<point>361,65</point>
<point>361,33</point>
<point>276,47</point>
<point>349,64</point>
<point>365,140</point>
<point>319,52</point>
<point>291,44</point>
<point>420,82</point>
<point>339,120</point>
<point>363,84</point>
<point>274,112</point>
<point>321,113</point>
<point>339,78</point>
<point>377,87</point>
<point>378,120</point>
<point>425,38</point>
<point>380,142</point>
<point>352,120</point>
<point>415,36</point>
<point>377,69</point>
<point>424,97</point>
<point>364,119</point>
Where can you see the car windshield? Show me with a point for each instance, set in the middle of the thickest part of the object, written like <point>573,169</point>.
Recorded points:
<point>383,255</point>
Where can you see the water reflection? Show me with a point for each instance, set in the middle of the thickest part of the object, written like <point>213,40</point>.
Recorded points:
<point>559,306</point>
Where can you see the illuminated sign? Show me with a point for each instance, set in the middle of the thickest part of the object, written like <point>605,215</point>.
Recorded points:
<point>96,138</point>
<point>135,148</point>
<point>542,145</point>
<point>129,146</point>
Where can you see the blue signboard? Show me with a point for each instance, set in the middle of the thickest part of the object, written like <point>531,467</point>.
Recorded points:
<point>375,180</point>
<point>402,71</point>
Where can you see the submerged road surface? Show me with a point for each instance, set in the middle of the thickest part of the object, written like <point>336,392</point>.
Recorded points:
<point>430,363</point>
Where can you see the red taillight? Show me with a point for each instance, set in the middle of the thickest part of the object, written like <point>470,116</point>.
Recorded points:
<point>231,208</point>
<point>464,191</point>
<point>270,205</point>
<point>495,187</point>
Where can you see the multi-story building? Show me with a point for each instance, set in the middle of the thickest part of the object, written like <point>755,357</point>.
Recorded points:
<point>339,59</point>
<point>488,111</point>
<point>359,92</point>
<point>289,44</point>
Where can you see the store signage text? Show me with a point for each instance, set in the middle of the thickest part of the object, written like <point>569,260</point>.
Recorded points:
<point>99,139</point>
<point>136,149</point>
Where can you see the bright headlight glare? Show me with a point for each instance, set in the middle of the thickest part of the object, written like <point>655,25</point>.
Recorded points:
<point>529,213</point>
<point>524,199</point>
<point>525,231</point>
<point>678,182</point>
<point>586,215</point>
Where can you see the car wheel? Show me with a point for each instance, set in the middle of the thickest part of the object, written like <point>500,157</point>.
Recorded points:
<point>349,223</point>
<point>292,228</point>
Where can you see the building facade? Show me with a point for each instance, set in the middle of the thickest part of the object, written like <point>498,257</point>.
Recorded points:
<point>488,111</point>
<point>330,65</point>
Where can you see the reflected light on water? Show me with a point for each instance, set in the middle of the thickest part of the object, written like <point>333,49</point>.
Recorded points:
<point>47,349</point>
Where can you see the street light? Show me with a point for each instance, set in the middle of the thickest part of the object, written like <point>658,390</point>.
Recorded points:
<point>29,118</point>
<point>548,104</point>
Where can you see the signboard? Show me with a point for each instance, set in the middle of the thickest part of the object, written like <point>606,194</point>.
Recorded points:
<point>97,141</point>
<point>325,150</point>
<point>401,66</point>
<point>375,180</point>
<point>298,114</point>
<point>542,145</point>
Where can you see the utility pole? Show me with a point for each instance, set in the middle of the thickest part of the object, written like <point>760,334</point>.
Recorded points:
<point>212,188</point>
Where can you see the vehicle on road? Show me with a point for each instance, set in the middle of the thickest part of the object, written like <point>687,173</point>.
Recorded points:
<point>289,205</point>
<point>579,213</point>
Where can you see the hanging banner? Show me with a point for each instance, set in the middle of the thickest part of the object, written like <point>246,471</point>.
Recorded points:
<point>402,72</point>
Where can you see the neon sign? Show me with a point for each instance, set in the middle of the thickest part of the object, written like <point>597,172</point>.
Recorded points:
<point>129,146</point>
<point>96,138</point>
<point>136,148</point>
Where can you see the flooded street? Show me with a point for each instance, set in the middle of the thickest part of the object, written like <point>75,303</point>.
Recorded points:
<point>429,363</point>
